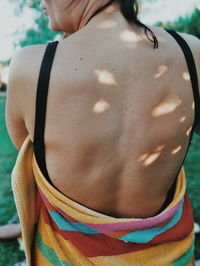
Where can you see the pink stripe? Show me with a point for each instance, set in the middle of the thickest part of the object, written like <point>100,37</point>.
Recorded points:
<point>125,226</point>
<point>135,224</point>
<point>44,198</point>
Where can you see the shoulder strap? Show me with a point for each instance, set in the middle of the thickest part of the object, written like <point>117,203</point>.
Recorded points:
<point>193,75</point>
<point>41,104</point>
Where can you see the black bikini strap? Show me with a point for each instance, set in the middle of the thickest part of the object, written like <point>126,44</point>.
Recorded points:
<point>41,103</point>
<point>193,75</point>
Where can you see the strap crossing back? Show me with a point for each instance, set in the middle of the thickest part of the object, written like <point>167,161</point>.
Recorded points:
<point>41,104</point>
<point>193,76</point>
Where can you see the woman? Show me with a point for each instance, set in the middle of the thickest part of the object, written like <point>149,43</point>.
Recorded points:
<point>117,123</point>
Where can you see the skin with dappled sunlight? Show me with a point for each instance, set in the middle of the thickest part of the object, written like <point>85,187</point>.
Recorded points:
<point>168,105</point>
<point>119,112</point>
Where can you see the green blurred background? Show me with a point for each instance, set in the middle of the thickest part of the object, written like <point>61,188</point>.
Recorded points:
<point>9,250</point>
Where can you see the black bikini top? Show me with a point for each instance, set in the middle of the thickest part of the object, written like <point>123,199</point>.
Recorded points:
<point>42,93</point>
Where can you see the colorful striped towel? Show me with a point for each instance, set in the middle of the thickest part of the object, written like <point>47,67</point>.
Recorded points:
<point>67,233</point>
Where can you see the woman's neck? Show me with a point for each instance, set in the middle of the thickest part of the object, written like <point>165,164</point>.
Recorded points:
<point>91,10</point>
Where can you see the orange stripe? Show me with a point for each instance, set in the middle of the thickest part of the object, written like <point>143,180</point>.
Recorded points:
<point>38,259</point>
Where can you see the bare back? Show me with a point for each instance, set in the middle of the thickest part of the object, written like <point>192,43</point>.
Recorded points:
<point>119,115</point>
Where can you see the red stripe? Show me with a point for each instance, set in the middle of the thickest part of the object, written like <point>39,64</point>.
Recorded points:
<point>50,207</point>
<point>103,245</point>
<point>94,245</point>
<point>182,229</point>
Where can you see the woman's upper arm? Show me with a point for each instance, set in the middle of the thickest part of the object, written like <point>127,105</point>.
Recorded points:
<point>197,59</point>
<point>23,76</point>
<point>15,100</point>
<point>194,44</point>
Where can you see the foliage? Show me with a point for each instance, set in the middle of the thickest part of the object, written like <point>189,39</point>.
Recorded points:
<point>190,24</point>
<point>39,33</point>
<point>192,168</point>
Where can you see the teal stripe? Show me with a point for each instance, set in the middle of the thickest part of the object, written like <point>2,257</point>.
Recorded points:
<point>185,258</point>
<point>146,235</point>
<point>66,225</point>
<point>49,253</point>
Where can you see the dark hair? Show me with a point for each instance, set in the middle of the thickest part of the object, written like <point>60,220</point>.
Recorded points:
<point>130,10</point>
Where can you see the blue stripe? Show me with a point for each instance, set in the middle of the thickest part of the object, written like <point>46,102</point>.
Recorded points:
<point>146,235</point>
<point>66,225</point>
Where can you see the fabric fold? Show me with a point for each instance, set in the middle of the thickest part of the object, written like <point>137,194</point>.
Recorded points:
<point>60,231</point>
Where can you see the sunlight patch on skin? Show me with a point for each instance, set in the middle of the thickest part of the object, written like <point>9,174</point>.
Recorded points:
<point>107,24</point>
<point>188,131</point>
<point>151,158</point>
<point>109,9</point>
<point>186,76</point>
<point>101,107</point>
<point>105,77</point>
<point>147,159</point>
<point>161,71</point>
<point>175,151</point>
<point>193,105</point>
<point>160,148</point>
<point>128,36</point>
<point>182,119</point>
<point>167,106</point>
<point>143,157</point>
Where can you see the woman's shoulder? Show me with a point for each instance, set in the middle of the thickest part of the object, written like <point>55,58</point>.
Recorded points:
<point>23,59</point>
<point>191,39</point>
<point>23,74</point>
<point>194,44</point>
<point>28,50</point>
<point>25,64</point>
